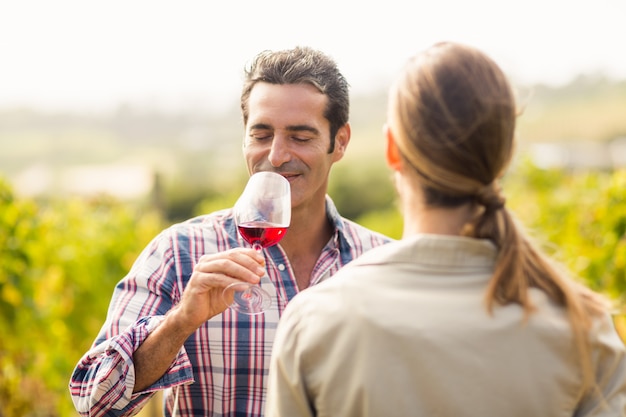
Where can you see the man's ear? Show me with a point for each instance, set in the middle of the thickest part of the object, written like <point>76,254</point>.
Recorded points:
<point>394,160</point>
<point>342,138</point>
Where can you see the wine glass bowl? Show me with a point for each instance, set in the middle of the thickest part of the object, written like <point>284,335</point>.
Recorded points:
<point>261,235</point>
<point>262,215</point>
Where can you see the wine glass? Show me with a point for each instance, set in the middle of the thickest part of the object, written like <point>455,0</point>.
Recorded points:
<point>262,215</point>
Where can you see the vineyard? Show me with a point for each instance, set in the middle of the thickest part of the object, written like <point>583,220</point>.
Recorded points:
<point>60,260</point>
<point>61,255</point>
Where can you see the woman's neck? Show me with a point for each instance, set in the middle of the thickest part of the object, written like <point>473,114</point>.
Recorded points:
<point>437,220</point>
<point>422,218</point>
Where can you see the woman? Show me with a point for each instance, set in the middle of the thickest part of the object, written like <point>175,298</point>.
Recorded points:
<point>464,316</point>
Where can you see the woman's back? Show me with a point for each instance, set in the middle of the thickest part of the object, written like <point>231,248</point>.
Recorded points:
<point>404,332</point>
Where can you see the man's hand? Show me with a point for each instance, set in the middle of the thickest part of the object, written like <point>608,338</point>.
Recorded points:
<point>201,300</point>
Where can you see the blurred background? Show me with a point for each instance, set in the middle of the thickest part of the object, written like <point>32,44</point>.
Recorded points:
<point>118,119</point>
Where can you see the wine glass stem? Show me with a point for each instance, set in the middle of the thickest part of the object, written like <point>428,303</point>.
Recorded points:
<point>257,246</point>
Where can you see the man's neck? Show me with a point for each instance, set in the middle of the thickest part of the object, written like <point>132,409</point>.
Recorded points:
<point>309,230</point>
<point>307,235</point>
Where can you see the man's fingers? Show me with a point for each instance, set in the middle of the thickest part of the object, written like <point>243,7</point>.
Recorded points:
<point>239,264</point>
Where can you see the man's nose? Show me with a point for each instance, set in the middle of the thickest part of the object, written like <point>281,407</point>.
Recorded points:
<point>279,152</point>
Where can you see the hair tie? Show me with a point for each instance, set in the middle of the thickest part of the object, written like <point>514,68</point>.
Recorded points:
<point>490,198</point>
<point>496,205</point>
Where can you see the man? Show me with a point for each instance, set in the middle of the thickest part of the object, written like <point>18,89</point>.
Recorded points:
<point>168,327</point>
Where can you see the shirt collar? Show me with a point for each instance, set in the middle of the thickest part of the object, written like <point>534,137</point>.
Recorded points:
<point>339,241</point>
<point>333,215</point>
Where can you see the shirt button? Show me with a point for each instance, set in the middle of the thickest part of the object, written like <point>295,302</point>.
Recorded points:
<point>281,267</point>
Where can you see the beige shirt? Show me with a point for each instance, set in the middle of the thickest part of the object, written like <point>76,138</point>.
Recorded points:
<point>403,331</point>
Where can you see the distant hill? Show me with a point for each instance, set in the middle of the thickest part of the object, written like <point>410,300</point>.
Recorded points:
<point>200,146</point>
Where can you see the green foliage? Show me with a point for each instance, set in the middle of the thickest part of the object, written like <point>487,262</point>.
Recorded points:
<point>579,218</point>
<point>218,202</point>
<point>360,188</point>
<point>59,262</point>
<point>388,222</point>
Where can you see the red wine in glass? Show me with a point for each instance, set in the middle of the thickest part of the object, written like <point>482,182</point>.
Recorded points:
<point>262,215</point>
<point>261,234</point>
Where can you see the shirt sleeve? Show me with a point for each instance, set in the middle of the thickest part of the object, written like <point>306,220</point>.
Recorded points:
<point>102,383</point>
<point>103,380</point>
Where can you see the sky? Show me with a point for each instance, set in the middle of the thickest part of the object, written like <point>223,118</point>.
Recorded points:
<point>97,54</point>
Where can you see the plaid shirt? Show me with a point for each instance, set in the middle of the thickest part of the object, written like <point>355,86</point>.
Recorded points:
<point>222,368</point>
